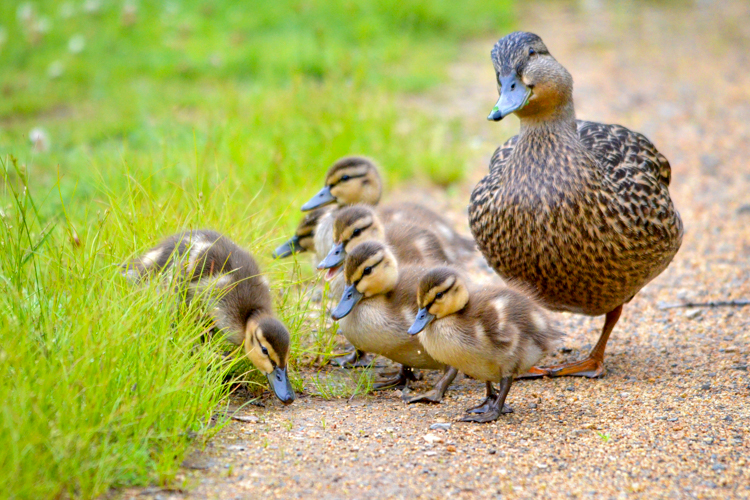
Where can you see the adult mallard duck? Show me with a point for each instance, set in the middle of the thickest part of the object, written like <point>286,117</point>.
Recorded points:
<point>579,210</point>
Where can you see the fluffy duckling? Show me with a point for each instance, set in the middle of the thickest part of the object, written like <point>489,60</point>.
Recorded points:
<point>359,223</point>
<point>578,210</point>
<point>355,179</point>
<point>304,235</point>
<point>376,309</point>
<point>491,334</point>
<point>228,281</point>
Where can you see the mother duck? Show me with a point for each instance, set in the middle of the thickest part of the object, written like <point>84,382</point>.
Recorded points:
<point>579,210</point>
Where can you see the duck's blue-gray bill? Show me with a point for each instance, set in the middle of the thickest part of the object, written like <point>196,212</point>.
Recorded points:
<point>423,319</point>
<point>324,197</point>
<point>349,299</point>
<point>513,96</point>
<point>290,247</point>
<point>334,258</point>
<point>280,385</point>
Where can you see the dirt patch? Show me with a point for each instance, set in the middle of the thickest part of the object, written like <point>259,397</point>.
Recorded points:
<point>672,416</point>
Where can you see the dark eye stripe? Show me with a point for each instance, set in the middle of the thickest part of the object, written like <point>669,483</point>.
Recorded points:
<point>372,266</point>
<point>350,178</point>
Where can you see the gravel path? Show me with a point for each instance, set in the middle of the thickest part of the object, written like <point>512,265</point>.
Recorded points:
<point>672,416</point>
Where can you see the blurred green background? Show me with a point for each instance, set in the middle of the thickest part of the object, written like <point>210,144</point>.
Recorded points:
<point>124,121</point>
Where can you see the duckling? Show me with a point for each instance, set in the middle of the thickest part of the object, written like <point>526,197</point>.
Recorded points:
<point>491,334</point>
<point>303,239</point>
<point>578,210</point>
<point>358,223</point>
<point>376,309</point>
<point>355,179</point>
<point>228,281</point>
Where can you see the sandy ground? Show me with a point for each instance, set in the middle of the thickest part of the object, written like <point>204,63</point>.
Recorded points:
<point>672,416</point>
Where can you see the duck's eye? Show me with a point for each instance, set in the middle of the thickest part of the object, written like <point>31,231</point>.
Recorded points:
<point>439,295</point>
<point>264,350</point>
<point>532,52</point>
<point>345,178</point>
<point>356,232</point>
<point>367,270</point>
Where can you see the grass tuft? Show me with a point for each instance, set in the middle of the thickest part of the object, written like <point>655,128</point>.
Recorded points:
<point>122,122</point>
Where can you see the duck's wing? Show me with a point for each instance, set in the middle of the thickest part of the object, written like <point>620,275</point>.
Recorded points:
<point>502,153</point>
<point>627,153</point>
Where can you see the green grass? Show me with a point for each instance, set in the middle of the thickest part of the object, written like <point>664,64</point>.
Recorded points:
<point>166,115</point>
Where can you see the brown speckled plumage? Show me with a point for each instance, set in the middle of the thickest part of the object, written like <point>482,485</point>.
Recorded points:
<point>579,210</point>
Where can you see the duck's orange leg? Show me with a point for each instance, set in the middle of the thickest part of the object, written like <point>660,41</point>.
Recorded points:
<point>592,366</point>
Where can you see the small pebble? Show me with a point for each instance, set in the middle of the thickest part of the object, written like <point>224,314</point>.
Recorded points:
<point>706,387</point>
<point>443,426</point>
<point>693,313</point>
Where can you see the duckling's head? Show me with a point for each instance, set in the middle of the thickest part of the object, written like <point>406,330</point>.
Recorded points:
<point>529,80</point>
<point>352,179</point>
<point>303,239</point>
<point>370,269</point>
<point>267,347</point>
<point>352,226</point>
<point>441,292</point>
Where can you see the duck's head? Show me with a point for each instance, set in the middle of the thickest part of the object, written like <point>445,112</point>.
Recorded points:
<point>352,179</point>
<point>303,239</point>
<point>529,80</point>
<point>441,292</point>
<point>352,226</point>
<point>370,269</point>
<point>267,347</point>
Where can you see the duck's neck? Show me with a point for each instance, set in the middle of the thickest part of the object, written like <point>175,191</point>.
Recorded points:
<point>559,121</point>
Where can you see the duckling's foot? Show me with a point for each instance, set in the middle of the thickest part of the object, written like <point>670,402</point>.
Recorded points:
<point>403,377</point>
<point>355,359</point>
<point>589,367</point>
<point>435,395</point>
<point>488,416</point>
<point>493,405</point>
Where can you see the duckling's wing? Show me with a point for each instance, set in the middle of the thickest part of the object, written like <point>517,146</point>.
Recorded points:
<point>502,153</point>
<point>628,153</point>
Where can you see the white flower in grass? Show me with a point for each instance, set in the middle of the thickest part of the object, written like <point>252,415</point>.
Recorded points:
<point>67,10</point>
<point>92,6</point>
<point>39,139</point>
<point>43,25</point>
<point>76,44</point>
<point>55,70</point>
<point>25,12</point>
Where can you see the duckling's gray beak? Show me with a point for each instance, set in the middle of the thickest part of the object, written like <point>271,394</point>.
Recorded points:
<point>290,247</point>
<point>334,258</point>
<point>423,319</point>
<point>349,299</point>
<point>280,385</point>
<point>513,96</point>
<point>324,197</point>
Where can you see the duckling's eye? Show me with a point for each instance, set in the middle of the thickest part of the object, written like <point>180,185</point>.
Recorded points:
<point>264,350</point>
<point>344,178</point>
<point>367,271</point>
<point>439,295</point>
<point>356,232</point>
<point>532,52</point>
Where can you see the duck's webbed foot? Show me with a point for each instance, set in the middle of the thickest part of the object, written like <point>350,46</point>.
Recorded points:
<point>435,395</point>
<point>534,372</point>
<point>493,405</point>
<point>403,377</point>
<point>355,359</point>
<point>589,367</point>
